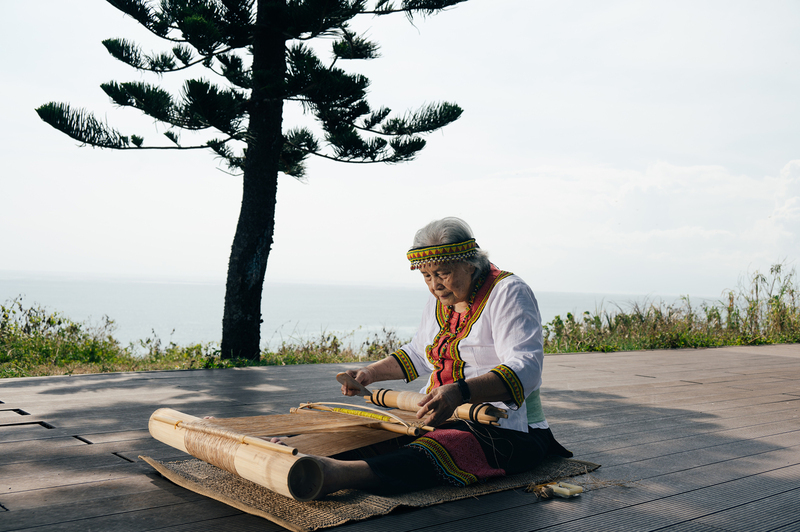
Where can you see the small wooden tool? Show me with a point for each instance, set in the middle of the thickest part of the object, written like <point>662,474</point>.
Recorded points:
<point>350,382</point>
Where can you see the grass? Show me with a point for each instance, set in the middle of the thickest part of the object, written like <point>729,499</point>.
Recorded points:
<point>765,309</point>
<point>36,342</point>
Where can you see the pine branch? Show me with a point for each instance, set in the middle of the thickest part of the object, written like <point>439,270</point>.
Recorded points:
<point>125,51</point>
<point>205,105</point>
<point>233,70</point>
<point>412,7</point>
<point>426,120</point>
<point>348,147</point>
<point>138,9</point>
<point>352,46</point>
<point>171,135</point>
<point>184,54</point>
<point>141,11</point>
<point>298,143</point>
<point>333,93</point>
<point>375,119</point>
<point>151,100</point>
<point>82,126</point>
<point>307,19</point>
<point>392,159</point>
<point>224,151</point>
<point>406,149</point>
<point>162,63</point>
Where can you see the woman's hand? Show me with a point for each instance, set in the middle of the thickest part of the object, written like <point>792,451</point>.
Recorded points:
<point>362,376</point>
<point>440,404</point>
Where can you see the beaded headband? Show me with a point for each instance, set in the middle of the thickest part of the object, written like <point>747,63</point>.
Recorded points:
<point>443,253</point>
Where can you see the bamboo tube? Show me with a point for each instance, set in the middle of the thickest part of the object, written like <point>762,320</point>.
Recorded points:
<point>249,440</point>
<point>397,428</point>
<point>408,401</point>
<point>293,475</point>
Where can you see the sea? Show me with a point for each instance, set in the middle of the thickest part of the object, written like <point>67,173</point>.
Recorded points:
<point>191,312</point>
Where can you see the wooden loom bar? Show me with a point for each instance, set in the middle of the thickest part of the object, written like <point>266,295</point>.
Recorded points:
<point>249,440</point>
<point>408,401</point>
<point>397,428</point>
<point>286,472</point>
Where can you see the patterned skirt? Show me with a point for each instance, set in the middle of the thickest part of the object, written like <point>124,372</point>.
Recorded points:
<point>461,453</point>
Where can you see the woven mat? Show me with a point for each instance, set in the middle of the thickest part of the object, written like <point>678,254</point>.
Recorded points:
<point>345,505</point>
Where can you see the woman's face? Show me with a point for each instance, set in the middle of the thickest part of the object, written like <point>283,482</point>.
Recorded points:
<point>449,282</point>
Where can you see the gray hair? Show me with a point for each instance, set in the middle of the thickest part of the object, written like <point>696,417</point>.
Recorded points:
<point>452,230</point>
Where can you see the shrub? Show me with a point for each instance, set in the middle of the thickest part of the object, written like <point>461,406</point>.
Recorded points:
<point>765,309</point>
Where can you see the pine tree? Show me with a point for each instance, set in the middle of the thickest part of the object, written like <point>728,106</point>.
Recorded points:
<point>258,50</point>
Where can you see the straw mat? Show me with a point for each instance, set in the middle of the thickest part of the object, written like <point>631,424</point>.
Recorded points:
<point>346,505</point>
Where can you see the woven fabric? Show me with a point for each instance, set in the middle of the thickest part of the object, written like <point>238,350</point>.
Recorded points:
<point>457,455</point>
<point>346,505</point>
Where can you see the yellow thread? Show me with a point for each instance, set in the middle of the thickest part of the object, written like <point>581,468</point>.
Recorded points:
<point>361,413</point>
<point>324,406</point>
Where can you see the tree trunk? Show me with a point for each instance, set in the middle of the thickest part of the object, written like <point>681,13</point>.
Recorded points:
<point>241,321</point>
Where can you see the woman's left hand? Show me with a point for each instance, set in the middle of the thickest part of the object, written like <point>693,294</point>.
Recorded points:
<point>440,404</point>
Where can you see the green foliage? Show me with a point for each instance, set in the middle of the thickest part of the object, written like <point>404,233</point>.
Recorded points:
<point>31,337</point>
<point>766,311</point>
<point>330,349</point>
<point>426,120</point>
<point>125,51</point>
<point>220,35</point>
<point>82,126</point>
<point>151,100</point>
<point>36,342</point>
<point>208,106</point>
<point>351,46</point>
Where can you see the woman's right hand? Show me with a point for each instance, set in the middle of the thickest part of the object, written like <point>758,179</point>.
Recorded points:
<point>363,376</point>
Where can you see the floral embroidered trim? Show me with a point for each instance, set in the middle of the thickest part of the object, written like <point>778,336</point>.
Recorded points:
<point>445,253</point>
<point>512,383</point>
<point>444,462</point>
<point>404,360</point>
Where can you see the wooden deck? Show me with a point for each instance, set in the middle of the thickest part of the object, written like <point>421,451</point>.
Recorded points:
<point>710,437</point>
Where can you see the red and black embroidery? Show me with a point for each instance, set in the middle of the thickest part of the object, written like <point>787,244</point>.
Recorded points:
<point>443,352</point>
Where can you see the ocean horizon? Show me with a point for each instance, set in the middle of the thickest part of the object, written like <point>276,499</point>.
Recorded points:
<point>189,312</point>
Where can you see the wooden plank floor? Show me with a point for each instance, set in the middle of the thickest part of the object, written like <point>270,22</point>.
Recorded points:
<point>689,441</point>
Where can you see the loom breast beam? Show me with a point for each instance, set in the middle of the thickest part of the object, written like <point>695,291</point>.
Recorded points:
<point>276,467</point>
<point>408,401</point>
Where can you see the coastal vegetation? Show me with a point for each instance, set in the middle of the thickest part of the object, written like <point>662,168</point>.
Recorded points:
<point>764,309</point>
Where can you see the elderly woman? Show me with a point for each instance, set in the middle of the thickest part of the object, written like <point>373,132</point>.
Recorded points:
<point>481,340</point>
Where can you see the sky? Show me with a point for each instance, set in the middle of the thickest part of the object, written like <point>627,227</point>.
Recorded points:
<point>631,147</point>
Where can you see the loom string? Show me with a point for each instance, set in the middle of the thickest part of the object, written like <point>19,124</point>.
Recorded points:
<point>388,416</point>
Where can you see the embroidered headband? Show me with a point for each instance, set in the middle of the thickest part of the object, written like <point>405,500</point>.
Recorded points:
<point>443,253</point>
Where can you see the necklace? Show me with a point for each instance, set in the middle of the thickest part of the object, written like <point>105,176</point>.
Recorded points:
<point>442,352</point>
<point>464,316</point>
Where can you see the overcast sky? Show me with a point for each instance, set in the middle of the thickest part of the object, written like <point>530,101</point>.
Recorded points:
<point>633,147</point>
